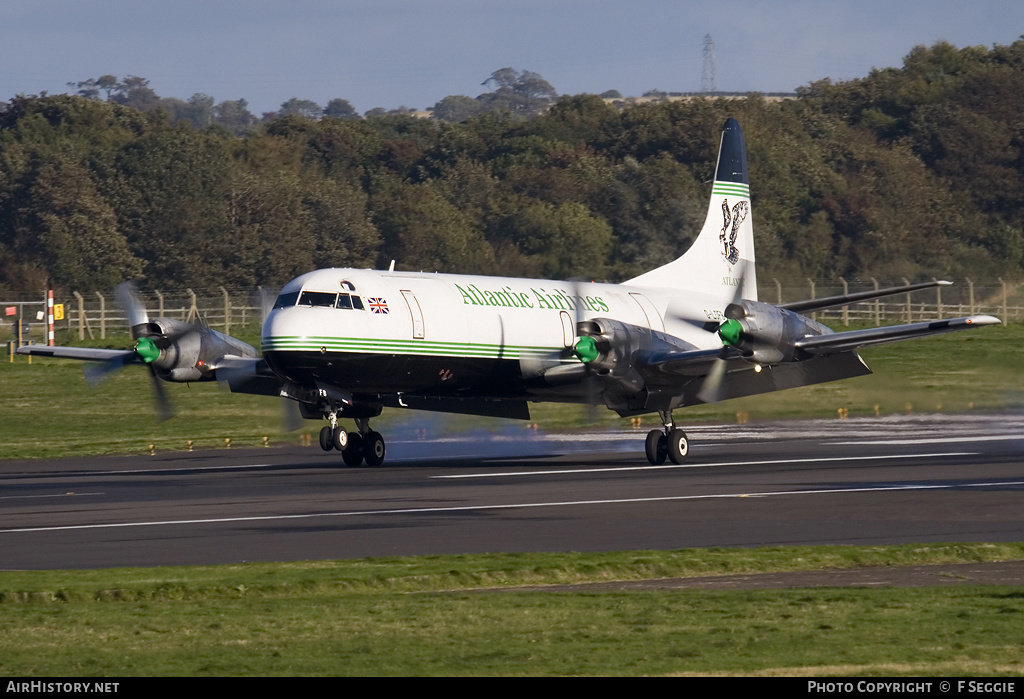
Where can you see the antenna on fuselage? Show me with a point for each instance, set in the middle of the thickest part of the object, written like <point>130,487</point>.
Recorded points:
<point>391,267</point>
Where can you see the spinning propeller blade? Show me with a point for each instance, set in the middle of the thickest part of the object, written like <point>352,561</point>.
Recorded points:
<point>148,344</point>
<point>729,332</point>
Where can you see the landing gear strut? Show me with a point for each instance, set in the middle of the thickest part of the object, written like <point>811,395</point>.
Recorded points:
<point>355,447</point>
<point>672,443</point>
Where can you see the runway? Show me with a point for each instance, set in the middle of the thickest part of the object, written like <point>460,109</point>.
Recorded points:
<point>886,480</point>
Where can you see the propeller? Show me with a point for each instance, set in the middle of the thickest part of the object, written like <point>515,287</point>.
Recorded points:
<point>729,332</point>
<point>149,342</point>
<point>586,350</point>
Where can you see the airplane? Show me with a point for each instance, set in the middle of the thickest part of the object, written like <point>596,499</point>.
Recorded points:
<point>347,343</point>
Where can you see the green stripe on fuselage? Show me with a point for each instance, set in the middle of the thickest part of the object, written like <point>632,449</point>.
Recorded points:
<point>411,347</point>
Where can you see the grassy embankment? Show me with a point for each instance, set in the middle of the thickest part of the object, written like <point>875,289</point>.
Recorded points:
<point>427,616</point>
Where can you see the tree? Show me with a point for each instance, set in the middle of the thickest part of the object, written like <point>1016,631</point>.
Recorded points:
<point>71,232</point>
<point>234,115</point>
<point>457,108</point>
<point>135,92</point>
<point>303,108</point>
<point>338,108</point>
<point>525,94</point>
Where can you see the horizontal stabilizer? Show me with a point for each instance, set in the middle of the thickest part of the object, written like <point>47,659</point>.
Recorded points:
<point>843,341</point>
<point>845,299</point>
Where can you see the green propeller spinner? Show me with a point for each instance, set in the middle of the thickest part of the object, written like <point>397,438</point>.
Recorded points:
<point>586,349</point>
<point>147,350</point>
<point>730,331</point>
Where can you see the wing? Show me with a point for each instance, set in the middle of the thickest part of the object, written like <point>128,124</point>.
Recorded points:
<point>689,373</point>
<point>84,353</point>
<point>853,339</point>
<point>729,372</point>
<point>247,375</point>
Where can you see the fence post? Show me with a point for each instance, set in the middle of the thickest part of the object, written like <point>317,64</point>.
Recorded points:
<point>81,315</point>
<point>814,315</point>
<point>846,309</point>
<point>877,304</point>
<point>910,312</point>
<point>938,299</point>
<point>160,301</point>
<point>1005,314</point>
<point>193,312</point>
<point>970,294</point>
<point>103,316</point>
<point>778,292</point>
<point>227,311</point>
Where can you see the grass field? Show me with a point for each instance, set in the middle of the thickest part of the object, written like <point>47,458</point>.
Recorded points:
<point>437,616</point>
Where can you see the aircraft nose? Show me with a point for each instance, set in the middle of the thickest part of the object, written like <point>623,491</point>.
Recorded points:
<point>280,325</point>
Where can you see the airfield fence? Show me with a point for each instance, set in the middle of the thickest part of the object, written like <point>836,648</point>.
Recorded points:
<point>96,314</point>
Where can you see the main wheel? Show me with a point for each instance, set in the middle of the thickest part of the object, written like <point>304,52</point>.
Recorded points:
<point>353,454</point>
<point>656,447</point>
<point>327,438</point>
<point>340,438</point>
<point>373,448</point>
<point>678,446</point>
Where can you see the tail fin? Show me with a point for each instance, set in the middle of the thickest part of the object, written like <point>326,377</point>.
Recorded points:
<point>722,256</point>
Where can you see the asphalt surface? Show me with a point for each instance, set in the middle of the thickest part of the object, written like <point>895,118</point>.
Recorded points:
<point>860,481</point>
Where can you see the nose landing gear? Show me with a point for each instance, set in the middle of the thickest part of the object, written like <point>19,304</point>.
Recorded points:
<point>364,445</point>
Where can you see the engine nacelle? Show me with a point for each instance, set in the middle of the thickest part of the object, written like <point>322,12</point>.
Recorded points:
<point>188,352</point>
<point>766,334</point>
<point>611,349</point>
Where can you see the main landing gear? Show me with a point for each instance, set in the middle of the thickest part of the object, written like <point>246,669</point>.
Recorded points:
<point>355,447</point>
<point>671,443</point>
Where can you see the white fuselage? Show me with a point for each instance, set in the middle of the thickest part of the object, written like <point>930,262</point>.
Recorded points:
<point>469,316</point>
<point>407,332</point>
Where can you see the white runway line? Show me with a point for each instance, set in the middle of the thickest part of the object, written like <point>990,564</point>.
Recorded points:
<point>520,506</point>
<point>824,459</point>
<point>935,440</point>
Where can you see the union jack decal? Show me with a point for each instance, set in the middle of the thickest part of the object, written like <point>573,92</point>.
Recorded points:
<point>378,305</point>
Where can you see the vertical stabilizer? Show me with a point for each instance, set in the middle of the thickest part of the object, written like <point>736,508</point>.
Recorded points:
<point>722,256</point>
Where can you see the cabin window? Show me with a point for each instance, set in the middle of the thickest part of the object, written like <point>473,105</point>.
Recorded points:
<point>286,300</point>
<point>317,298</point>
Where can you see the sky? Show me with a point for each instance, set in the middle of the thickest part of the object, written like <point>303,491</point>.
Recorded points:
<point>413,53</point>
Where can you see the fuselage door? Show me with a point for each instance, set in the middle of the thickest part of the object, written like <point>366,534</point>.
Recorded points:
<point>416,312</point>
<point>654,319</point>
<point>568,329</point>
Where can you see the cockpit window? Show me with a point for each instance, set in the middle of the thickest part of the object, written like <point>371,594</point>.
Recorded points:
<point>317,298</point>
<point>349,302</point>
<point>287,299</point>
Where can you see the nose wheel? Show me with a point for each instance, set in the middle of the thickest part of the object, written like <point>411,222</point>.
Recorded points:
<point>355,447</point>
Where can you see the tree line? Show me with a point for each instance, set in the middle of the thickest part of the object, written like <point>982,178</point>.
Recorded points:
<point>523,93</point>
<point>909,172</point>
